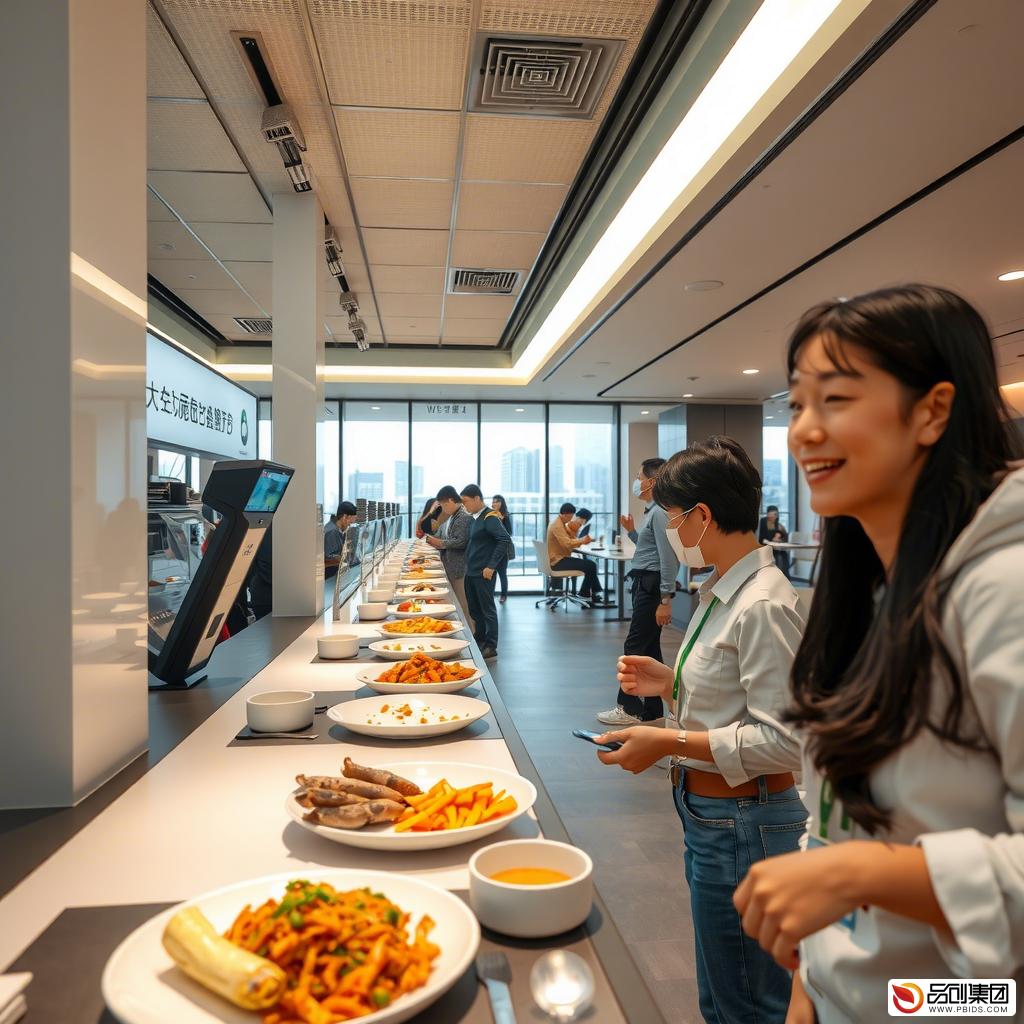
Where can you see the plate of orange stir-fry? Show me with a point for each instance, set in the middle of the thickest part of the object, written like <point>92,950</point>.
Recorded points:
<point>339,945</point>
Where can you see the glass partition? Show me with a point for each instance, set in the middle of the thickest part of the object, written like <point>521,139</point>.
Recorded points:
<point>375,452</point>
<point>330,452</point>
<point>444,448</point>
<point>512,463</point>
<point>775,477</point>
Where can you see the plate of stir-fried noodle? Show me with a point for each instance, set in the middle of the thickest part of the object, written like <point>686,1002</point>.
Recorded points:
<point>337,945</point>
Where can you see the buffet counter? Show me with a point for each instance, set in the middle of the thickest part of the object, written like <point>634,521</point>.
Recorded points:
<point>212,812</point>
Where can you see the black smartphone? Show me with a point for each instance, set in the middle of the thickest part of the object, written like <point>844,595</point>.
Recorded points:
<point>591,737</point>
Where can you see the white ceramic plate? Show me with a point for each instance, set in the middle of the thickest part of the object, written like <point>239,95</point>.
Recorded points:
<point>440,647</point>
<point>368,677</point>
<point>425,774</point>
<point>436,611</point>
<point>141,984</point>
<point>457,627</point>
<point>366,717</point>
<point>428,574</point>
<point>436,590</point>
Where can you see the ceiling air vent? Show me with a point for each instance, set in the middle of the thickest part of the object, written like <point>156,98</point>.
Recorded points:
<point>464,281</point>
<point>254,325</point>
<point>541,77</point>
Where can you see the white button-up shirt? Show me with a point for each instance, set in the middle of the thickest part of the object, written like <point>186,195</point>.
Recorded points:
<point>735,682</point>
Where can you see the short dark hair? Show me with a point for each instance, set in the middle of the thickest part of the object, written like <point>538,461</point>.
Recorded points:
<point>585,514</point>
<point>447,493</point>
<point>719,473</point>
<point>650,467</point>
<point>471,491</point>
<point>346,508</point>
<point>567,506</point>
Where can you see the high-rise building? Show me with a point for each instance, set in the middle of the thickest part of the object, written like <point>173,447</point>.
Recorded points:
<point>520,470</point>
<point>556,469</point>
<point>595,477</point>
<point>402,477</point>
<point>365,485</point>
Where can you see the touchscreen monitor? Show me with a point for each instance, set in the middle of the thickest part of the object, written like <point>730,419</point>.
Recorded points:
<point>266,495</point>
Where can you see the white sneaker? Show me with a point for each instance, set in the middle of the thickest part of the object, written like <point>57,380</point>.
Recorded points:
<point>623,719</point>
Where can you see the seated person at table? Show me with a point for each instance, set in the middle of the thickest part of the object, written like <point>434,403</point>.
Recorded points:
<point>579,525</point>
<point>334,536</point>
<point>770,529</point>
<point>562,544</point>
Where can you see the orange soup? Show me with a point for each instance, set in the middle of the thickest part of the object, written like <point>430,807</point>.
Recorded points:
<point>530,876</point>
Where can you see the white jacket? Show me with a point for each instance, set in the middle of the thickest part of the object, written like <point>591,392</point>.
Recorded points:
<point>965,809</point>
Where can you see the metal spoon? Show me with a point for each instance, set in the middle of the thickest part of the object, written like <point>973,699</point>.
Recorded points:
<point>562,984</point>
<point>278,736</point>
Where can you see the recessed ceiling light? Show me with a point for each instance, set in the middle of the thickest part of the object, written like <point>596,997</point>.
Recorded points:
<point>769,417</point>
<point>702,286</point>
<point>645,412</point>
<point>166,247</point>
<point>1012,275</point>
<point>748,372</point>
<point>590,375</point>
<point>689,394</point>
<point>375,408</point>
<point>192,277</point>
<point>520,409</point>
<point>602,362</point>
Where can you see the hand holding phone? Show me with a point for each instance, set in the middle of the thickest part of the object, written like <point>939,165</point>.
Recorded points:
<point>592,737</point>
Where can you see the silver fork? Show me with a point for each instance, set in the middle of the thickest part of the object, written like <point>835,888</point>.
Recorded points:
<point>494,971</point>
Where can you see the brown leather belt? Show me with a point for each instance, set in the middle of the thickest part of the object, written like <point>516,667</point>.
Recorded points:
<point>709,784</point>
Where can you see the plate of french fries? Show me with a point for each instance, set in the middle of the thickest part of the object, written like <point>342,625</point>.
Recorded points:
<point>420,674</point>
<point>207,961</point>
<point>417,805</point>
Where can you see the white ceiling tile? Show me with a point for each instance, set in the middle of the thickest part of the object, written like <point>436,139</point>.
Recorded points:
<point>400,203</point>
<point>170,241</point>
<point>412,326</point>
<point>406,247</point>
<point>525,148</point>
<point>229,302</point>
<point>245,242</point>
<point>409,304</point>
<point>501,250</point>
<point>155,210</point>
<point>167,74</point>
<point>408,279</point>
<point>487,307</point>
<point>186,136</point>
<point>190,274</point>
<point>509,207</point>
<point>469,331</point>
<point>225,198</point>
<point>399,143</point>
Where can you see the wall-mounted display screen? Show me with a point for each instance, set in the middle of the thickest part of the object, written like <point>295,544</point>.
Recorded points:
<point>266,495</point>
<point>192,407</point>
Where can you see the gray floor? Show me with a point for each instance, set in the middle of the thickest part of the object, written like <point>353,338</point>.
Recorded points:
<point>555,670</point>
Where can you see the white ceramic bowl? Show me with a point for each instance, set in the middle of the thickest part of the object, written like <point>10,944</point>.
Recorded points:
<point>425,774</point>
<point>279,710</point>
<point>338,645</point>
<point>531,911</point>
<point>377,594</point>
<point>365,716</point>
<point>141,985</point>
<point>372,611</point>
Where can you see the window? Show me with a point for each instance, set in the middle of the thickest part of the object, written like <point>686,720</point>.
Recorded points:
<point>776,474</point>
<point>512,464</point>
<point>444,448</point>
<point>264,437</point>
<point>170,465</point>
<point>581,462</point>
<point>375,452</point>
<point>330,452</point>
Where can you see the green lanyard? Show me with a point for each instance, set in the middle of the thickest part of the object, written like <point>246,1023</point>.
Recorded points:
<point>826,800</point>
<point>689,647</point>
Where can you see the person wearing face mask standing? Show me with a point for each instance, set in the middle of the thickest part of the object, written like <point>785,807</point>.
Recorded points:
<point>652,576</point>
<point>733,757</point>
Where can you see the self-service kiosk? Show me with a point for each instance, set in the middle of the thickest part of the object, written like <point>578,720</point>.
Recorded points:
<point>181,640</point>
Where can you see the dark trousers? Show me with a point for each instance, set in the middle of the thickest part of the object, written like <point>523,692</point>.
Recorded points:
<point>591,584</point>
<point>502,572</point>
<point>644,637</point>
<point>480,597</point>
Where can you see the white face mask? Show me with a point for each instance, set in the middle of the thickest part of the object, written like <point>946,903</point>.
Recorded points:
<point>692,558</point>
<point>637,488</point>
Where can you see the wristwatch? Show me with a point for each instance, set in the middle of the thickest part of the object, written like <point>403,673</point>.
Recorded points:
<point>667,598</point>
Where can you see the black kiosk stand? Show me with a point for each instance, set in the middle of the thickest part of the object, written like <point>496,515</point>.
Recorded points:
<point>246,494</point>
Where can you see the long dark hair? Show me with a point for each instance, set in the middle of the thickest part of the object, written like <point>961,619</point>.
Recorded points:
<point>864,678</point>
<point>502,506</point>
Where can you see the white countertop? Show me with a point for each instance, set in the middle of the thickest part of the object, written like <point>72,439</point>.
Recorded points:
<point>209,814</point>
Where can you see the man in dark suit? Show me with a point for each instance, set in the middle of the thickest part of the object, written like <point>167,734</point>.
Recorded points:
<point>488,545</point>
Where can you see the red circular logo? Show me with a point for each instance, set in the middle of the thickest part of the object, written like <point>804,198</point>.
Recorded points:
<point>908,997</point>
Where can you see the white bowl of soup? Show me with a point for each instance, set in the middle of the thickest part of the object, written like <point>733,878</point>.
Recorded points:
<point>531,888</point>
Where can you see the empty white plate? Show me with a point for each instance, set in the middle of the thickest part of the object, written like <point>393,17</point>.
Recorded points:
<point>437,611</point>
<point>440,647</point>
<point>428,715</point>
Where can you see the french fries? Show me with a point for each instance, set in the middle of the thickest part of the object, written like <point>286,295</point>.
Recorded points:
<point>444,807</point>
<point>415,627</point>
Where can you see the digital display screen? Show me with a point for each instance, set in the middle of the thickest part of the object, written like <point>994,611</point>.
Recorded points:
<point>266,495</point>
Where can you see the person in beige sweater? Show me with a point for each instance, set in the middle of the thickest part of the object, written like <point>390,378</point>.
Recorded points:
<point>562,544</point>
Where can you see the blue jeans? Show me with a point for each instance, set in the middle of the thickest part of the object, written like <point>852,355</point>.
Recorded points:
<point>737,981</point>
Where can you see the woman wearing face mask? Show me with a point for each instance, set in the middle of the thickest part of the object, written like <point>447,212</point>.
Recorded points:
<point>909,684</point>
<point>733,758</point>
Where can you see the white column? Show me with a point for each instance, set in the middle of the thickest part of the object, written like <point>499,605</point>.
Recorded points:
<point>72,414</point>
<point>298,402</point>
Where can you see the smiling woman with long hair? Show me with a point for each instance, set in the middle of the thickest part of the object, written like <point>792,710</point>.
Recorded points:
<point>908,688</point>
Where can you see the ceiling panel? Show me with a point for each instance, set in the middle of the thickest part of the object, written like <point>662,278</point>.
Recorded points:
<point>502,207</point>
<point>468,331</point>
<point>408,279</point>
<point>155,210</point>
<point>232,331</point>
<point>502,250</point>
<point>488,307</point>
<point>170,241</point>
<point>198,197</point>
<point>393,54</point>
<point>238,241</point>
<point>399,143</point>
<point>525,148</point>
<point>412,326</point>
<point>183,135</point>
<point>410,304</point>
<point>229,302</point>
<point>398,340</point>
<point>339,327</point>
<point>167,74</point>
<point>399,203</point>
<point>407,248</point>
<point>195,274</point>
<point>616,19</point>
